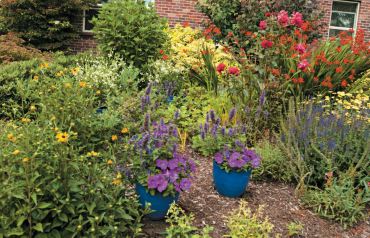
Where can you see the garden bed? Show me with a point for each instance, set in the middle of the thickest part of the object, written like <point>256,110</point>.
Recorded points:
<point>281,206</point>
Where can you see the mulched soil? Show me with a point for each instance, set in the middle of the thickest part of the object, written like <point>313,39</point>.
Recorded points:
<point>281,206</point>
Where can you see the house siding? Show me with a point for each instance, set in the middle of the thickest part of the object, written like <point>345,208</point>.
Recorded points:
<point>180,11</point>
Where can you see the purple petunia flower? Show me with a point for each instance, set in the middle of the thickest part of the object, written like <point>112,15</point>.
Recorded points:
<point>219,158</point>
<point>185,184</point>
<point>162,164</point>
<point>173,164</point>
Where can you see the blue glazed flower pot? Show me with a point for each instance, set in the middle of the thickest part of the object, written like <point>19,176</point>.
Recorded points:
<point>232,184</point>
<point>158,203</point>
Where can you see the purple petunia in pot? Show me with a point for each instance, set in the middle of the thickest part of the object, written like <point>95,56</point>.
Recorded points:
<point>162,172</point>
<point>232,167</point>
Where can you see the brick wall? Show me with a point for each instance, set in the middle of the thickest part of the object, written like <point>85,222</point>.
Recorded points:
<point>179,11</point>
<point>364,18</point>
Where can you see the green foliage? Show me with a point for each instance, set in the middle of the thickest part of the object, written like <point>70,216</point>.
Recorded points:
<point>243,223</point>
<point>181,225</point>
<point>273,165</point>
<point>361,84</point>
<point>295,229</point>
<point>130,29</point>
<point>46,25</point>
<point>341,199</point>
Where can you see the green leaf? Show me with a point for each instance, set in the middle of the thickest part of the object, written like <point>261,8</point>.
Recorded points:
<point>43,205</point>
<point>38,227</point>
<point>34,198</point>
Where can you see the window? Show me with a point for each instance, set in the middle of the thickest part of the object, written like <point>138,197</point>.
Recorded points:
<point>343,16</point>
<point>89,14</point>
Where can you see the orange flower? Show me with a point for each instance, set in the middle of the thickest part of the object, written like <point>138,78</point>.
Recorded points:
<point>315,79</point>
<point>339,70</point>
<point>114,137</point>
<point>110,162</point>
<point>275,72</point>
<point>344,83</point>
<point>165,57</point>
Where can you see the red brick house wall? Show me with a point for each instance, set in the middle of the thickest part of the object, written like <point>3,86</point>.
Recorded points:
<point>179,11</point>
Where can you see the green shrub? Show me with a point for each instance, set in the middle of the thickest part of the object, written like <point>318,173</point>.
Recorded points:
<point>130,29</point>
<point>52,188</point>
<point>341,200</point>
<point>273,165</point>
<point>181,225</point>
<point>242,223</point>
<point>46,25</point>
<point>295,229</point>
<point>58,163</point>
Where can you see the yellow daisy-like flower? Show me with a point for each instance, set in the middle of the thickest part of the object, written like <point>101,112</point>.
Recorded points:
<point>35,78</point>
<point>83,84</point>
<point>118,179</point>
<point>124,130</point>
<point>25,120</point>
<point>32,108</point>
<point>110,162</point>
<point>92,154</point>
<point>74,71</point>
<point>62,137</point>
<point>68,85</point>
<point>98,92</point>
<point>59,74</point>
<point>16,152</point>
<point>11,137</point>
<point>44,65</point>
<point>26,160</point>
<point>114,137</point>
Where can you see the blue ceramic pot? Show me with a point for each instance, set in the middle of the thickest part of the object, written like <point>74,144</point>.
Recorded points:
<point>232,184</point>
<point>170,99</point>
<point>158,203</point>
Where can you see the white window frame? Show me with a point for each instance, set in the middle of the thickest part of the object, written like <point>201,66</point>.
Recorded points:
<point>96,7</point>
<point>344,28</point>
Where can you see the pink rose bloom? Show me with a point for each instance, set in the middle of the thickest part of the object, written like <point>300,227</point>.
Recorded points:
<point>300,48</point>
<point>220,67</point>
<point>296,19</point>
<point>266,44</point>
<point>262,25</point>
<point>283,18</point>
<point>234,71</point>
<point>303,64</point>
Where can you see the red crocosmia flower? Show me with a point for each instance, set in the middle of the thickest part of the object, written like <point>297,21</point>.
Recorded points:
<point>298,33</point>
<point>275,72</point>
<point>185,24</point>
<point>286,76</point>
<point>303,64</point>
<point>305,26</point>
<point>327,82</point>
<point>266,44</point>
<point>316,79</point>
<point>283,18</point>
<point>353,71</point>
<point>165,57</point>
<point>262,25</point>
<point>268,14</point>
<point>230,34</point>
<point>296,19</point>
<point>345,61</point>
<point>339,49</point>
<point>217,31</point>
<point>300,80</point>
<point>234,70</point>
<point>292,71</point>
<point>220,67</point>
<point>161,52</point>
<point>351,77</point>
<point>300,48</point>
<point>339,70</point>
<point>248,33</point>
<point>344,83</point>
